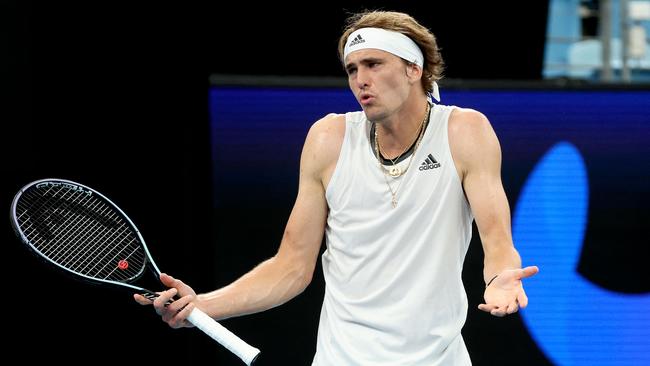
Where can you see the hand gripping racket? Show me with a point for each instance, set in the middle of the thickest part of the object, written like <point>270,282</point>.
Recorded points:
<point>80,231</point>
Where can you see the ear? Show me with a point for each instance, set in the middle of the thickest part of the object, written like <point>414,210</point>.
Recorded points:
<point>413,72</point>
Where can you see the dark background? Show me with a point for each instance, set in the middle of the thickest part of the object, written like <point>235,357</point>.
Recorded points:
<point>114,96</point>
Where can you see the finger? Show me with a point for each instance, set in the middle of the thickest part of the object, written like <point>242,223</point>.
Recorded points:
<point>512,308</point>
<point>174,308</point>
<point>180,320</point>
<point>141,299</point>
<point>498,312</point>
<point>167,280</point>
<point>167,296</point>
<point>522,299</point>
<point>170,281</point>
<point>486,307</point>
<point>164,297</point>
<point>528,271</point>
<point>179,304</point>
<point>500,309</point>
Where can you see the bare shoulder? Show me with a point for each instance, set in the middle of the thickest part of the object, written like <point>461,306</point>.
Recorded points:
<point>465,122</point>
<point>323,142</point>
<point>330,127</point>
<point>471,138</point>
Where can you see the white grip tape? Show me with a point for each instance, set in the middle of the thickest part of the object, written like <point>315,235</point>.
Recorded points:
<point>222,335</point>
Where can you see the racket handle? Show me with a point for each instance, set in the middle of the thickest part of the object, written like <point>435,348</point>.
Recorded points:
<point>226,338</point>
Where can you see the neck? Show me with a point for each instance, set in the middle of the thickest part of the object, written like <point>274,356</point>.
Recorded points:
<point>399,131</point>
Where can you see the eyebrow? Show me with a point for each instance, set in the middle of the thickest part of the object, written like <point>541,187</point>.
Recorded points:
<point>363,61</point>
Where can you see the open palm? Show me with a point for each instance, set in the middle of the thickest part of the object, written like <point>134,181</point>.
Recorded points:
<point>505,295</point>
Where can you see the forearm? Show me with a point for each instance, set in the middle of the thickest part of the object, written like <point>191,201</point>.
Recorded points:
<point>499,257</point>
<point>272,283</point>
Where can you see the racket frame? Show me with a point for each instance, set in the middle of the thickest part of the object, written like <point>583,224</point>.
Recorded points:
<point>149,262</point>
<point>244,351</point>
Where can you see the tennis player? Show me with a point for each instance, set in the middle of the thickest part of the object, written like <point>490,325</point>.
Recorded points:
<point>394,188</point>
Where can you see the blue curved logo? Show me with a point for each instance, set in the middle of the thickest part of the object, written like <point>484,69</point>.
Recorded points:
<point>573,321</point>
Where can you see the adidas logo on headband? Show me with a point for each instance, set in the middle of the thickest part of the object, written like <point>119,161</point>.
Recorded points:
<point>358,39</point>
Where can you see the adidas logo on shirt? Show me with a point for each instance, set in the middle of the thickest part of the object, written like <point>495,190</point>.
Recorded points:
<point>429,163</point>
<point>358,39</point>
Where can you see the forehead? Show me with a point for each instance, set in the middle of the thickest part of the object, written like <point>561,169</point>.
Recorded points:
<point>367,53</point>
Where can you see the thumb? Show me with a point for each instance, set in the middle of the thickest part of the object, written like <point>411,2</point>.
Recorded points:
<point>528,272</point>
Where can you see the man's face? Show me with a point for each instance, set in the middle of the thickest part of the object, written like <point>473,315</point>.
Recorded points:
<point>378,80</point>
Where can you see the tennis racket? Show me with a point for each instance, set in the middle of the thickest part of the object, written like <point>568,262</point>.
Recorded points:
<point>80,231</point>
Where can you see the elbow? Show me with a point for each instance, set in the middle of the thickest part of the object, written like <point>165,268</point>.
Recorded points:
<point>303,277</point>
<point>296,272</point>
<point>307,276</point>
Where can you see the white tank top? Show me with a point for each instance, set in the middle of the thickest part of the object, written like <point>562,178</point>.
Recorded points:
<point>394,294</point>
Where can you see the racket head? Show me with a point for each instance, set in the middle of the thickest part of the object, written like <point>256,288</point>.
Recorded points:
<point>80,231</point>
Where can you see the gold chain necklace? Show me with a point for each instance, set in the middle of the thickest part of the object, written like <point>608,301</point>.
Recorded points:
<point>393,193</point>
<point>394,170</point>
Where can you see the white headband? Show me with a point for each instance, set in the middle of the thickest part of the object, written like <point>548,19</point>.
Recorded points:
<point>389,41</point>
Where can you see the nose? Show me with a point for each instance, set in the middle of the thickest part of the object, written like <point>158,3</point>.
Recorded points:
<point>362,78</point>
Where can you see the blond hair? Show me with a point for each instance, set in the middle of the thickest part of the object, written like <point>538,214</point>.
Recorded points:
<point>405,24</point>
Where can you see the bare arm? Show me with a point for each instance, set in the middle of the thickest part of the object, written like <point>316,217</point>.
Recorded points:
<point>288,273</point>
<point>477,153</point>
<point>285,275</point>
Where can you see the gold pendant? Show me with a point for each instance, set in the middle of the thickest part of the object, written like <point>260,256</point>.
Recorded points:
<point>395,172</point>
<point>394,202</point>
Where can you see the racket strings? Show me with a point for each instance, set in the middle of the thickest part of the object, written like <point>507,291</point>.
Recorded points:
<point>95,236</point>
<point>91,252</point>
<point>81,233</point>
<point>39,205</point>
<point>68,232</point>
<point>49,244</point>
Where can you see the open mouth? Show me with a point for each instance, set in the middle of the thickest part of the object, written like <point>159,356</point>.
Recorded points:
<point>365,99</point>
